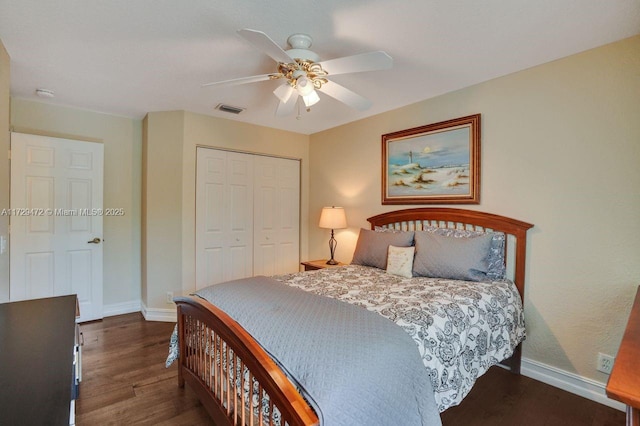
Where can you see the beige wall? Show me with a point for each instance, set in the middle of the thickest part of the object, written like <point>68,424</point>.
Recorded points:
<point>561,150</point>
<point>4,167</point>
<point>162,227</point>
<point>174,136</point>
<point>122,139</point>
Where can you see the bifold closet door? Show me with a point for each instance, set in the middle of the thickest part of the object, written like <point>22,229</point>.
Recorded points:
<point>276,216</point>
<point>247,216</point>
<point>224,216</point>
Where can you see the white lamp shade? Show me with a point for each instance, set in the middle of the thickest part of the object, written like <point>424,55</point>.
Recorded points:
<point>333,218</point>
<point>311,99</point>
<point>284,92</point>
<point>304,85</point>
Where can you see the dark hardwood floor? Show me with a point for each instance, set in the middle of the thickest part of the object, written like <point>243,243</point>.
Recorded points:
<point>125,382</point>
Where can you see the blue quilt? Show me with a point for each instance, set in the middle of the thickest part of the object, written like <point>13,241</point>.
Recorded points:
<point>353,366</point>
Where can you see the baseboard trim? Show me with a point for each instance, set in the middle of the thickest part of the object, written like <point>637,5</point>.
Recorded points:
<point>155,314</point>
<point>121,308</point>
<point>570,382</point>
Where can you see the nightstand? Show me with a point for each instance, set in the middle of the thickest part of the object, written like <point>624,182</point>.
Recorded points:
<point>312,265</point>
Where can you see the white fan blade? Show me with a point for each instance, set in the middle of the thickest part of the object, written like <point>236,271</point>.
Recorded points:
<point>345,96</point>
<point>287,108</point>
<point>371,61</point>
<point>264,43</point>
<point>242,80</point>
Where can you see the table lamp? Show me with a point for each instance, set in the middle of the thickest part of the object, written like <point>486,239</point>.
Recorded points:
<point>332,218</point>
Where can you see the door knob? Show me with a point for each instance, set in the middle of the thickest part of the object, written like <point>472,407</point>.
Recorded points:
<point>96,240</point>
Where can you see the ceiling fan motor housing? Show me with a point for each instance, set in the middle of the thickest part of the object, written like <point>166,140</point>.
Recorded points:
<point>300,44</point>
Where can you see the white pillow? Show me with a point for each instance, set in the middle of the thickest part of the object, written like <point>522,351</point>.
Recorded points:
<point>400,261</point>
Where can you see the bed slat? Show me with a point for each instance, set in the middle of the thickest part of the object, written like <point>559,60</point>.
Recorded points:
<point>214,353</point>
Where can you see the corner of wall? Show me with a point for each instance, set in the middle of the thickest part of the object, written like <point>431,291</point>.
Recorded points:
<point>143,212</point>
<point>162,168</point>
<point>5,171</point>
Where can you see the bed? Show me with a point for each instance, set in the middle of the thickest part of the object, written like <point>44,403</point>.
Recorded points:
<point>239,382</point>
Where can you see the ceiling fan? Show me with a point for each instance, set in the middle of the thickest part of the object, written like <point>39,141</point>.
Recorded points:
<point>304,75</point>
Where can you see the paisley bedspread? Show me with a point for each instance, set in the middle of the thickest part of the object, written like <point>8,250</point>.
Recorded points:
<point>461,328</point>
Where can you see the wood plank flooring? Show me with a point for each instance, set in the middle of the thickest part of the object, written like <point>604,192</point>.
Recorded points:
<point>125,382</point>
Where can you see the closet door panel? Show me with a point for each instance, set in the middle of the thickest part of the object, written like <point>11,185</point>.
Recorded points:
<point>224,216</point>
<point>289,214</point>
<point>210,217</point>
<point>237,260</point>
<point>213,266</point>
<point>265,219</point>
<point>277,216</point>
<point>239,217</point>
<point>247,216</point>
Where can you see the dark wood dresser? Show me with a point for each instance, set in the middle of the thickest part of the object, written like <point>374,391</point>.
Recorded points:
<point>38,358</point>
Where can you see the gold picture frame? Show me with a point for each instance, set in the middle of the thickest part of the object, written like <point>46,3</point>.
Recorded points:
<point>433,164</point>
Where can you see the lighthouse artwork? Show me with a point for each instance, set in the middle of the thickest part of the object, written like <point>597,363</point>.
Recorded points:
<point>437,163</point>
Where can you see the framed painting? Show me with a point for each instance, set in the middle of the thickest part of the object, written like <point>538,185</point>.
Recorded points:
<point>434,164</point>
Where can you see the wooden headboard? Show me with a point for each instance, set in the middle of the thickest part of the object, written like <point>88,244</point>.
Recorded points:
<point>419,218</point>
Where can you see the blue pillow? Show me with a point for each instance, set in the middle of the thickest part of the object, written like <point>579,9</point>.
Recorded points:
<point>441,256</point>
<point>372,247</point>
<point>496,263</point>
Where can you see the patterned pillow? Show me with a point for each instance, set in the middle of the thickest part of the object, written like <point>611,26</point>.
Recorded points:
<point>496,265</point>
<point>400,261</point>
<point>441,256</point>
<point>372,247</point>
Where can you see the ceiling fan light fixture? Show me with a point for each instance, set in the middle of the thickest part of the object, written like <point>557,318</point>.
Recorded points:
<point>311,99</point>
<point>284,92</point>
<point>304,86</point>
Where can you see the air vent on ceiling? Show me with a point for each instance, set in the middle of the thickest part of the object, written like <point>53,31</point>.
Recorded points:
<point>230,109</point>
<point>45,93</point>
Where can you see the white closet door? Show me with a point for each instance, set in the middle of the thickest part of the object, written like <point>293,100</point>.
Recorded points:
<point>276,216</point>
<point>239,215</point>
<point>224,216</point>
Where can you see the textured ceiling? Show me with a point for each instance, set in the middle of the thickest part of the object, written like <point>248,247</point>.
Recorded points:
<point>130,57</point>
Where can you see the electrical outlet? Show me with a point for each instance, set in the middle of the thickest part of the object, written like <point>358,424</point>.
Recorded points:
<point>605,363</point>
<point>169,297</point>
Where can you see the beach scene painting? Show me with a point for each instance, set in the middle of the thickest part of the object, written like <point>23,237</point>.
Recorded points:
<point>437,163</point>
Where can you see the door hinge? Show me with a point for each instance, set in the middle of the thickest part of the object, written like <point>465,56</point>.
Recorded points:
<point>9,154</point>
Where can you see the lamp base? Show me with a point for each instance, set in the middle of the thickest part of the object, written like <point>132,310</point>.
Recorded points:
<point>332,249</point>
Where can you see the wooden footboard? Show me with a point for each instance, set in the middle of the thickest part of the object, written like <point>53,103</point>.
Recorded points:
<point>236,380</point>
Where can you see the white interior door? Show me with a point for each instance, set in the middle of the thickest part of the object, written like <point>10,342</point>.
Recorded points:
<point>276,216</point>
<point>224,216</point>
<point>56,220</point>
